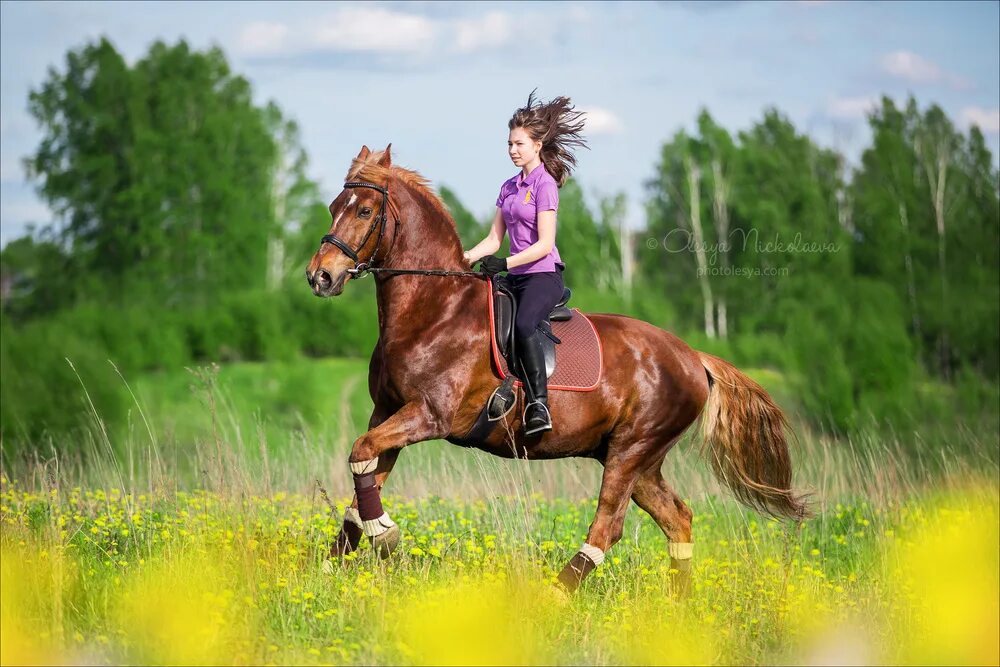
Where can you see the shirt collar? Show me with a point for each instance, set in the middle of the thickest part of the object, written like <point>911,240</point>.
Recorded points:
<point>531,178</point>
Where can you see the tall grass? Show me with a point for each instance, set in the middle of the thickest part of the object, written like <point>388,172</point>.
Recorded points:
<point>250,428</point>
<point>199,540</point>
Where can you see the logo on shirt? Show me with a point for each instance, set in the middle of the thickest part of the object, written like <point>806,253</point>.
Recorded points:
<point>527,196</point>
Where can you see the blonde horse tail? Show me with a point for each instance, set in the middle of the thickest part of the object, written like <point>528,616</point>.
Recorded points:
<point>744,440</point>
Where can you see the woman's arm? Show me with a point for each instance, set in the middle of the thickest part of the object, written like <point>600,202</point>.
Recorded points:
<point>541,247</point>
<point>491,243</point>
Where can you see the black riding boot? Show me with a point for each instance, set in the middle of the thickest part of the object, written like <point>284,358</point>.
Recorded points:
<point>536,414</point>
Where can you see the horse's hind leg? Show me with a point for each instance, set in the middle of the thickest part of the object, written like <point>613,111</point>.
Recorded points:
<point>673,516</point>
<point>620,475</point>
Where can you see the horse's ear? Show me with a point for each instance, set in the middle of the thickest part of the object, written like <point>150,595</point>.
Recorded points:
<point>363,155</point>
<point>386,159</point>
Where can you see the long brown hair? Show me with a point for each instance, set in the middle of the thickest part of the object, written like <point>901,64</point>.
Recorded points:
<point>560,129</point>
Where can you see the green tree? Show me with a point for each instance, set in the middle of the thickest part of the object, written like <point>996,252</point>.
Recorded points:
<point>679,259</point>
<point>470,230</point>
<point>161,173</point>
<point>925,205</point>
<point>294,198</point>
<point>27,288</point>
<point>588,247</point>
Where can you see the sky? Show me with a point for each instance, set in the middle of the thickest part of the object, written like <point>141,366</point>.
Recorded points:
<point>440,80</point>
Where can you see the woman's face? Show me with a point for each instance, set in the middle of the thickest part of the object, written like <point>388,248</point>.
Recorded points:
<point>521,148</point>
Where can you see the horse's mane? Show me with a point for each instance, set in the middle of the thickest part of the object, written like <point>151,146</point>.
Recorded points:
<point>368,169</point>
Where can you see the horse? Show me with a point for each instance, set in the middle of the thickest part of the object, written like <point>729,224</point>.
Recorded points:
<point>430,375</point>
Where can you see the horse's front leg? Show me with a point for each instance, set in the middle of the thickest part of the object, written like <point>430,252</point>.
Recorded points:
<point>351,531</point>
<point>414,422</point>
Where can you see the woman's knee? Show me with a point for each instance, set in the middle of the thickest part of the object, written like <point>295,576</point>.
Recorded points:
<point>523,328</point>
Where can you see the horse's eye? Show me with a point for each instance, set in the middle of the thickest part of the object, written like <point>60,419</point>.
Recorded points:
<point>365,212</point>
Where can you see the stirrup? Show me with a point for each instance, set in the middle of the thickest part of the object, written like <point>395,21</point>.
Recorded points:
<point>504,397</point>
<point>539,429</point>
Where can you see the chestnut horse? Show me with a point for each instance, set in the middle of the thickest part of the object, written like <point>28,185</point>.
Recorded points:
<point>430,375</point>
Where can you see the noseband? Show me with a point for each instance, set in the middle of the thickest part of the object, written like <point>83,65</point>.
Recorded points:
<point>361,267</point>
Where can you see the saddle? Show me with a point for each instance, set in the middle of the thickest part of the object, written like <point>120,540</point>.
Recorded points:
<point>580,355</point>
<point>504,314</point>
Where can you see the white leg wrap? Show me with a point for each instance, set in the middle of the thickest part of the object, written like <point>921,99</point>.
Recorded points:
<point>361,467</point>
<point>680,550</point>
<point>377,526</point>
<point>351,515</point>
<point>593,553</point>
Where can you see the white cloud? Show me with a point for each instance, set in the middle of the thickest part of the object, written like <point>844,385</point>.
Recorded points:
<point>262,37</point>
<point>916,69</point>
<point>988,120</point>
<point>372,29</point>
<point>376,29</point>
<point>489,31</point>
<point>602,121</point>
<point>848,108</point>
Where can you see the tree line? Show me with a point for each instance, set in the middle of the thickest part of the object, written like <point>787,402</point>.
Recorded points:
<point>185,217</point>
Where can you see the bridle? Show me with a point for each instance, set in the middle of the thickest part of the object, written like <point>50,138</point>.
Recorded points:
<point>361,268</point>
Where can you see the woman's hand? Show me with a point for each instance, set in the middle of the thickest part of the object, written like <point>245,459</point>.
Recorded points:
<point>493,265</point>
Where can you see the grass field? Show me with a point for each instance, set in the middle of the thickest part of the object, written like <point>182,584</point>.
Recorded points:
<point>204,546</point>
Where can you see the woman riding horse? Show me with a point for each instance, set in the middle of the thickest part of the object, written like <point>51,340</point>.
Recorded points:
<point>431,373</point>
<point>540,139</point>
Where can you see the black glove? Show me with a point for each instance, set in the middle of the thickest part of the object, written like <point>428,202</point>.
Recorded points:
<point>492,265</point>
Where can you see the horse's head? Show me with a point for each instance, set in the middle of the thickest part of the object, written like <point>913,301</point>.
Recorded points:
<point>359,221</point>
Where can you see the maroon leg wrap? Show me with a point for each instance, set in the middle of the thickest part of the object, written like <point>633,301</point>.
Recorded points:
<point>369,499</point>
<point>576,570</point>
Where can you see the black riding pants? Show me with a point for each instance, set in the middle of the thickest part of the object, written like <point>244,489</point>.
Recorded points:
<point>537,294</point>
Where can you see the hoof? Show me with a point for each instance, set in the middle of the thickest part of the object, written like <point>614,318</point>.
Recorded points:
<point>328,567</point>
<point>680,578</point>
<point>385,543</point>
<point>347,540</point>
<point>559,595</point>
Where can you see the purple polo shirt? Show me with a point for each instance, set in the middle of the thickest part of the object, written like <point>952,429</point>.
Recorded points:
<point>520,200</point>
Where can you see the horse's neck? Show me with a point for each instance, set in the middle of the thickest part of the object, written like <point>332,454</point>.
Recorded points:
<point>423,239</point>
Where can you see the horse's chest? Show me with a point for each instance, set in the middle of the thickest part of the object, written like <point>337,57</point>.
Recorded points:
<point>411,369</point>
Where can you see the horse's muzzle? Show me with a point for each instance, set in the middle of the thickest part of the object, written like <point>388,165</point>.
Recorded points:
<point>323,284</point>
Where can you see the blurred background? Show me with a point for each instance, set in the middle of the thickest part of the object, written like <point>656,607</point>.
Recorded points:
<point>808,189</point>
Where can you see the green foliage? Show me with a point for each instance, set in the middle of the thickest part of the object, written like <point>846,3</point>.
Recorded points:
<point>822,380</point>
<point>162,172</point>
<point>470,230</point>
<point>32,281</point>
<point>187,218</point>
<point>54,379</point>
<point>926,209</point>
<point>42,394</point>
<point>859,280</point>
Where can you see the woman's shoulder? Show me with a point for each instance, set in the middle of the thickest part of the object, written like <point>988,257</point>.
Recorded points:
<point>547,178</point>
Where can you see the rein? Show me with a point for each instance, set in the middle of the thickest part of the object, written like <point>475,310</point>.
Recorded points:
<point>361,268</point>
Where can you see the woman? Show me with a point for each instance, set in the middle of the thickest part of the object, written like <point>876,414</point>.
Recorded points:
<point>540,142</point>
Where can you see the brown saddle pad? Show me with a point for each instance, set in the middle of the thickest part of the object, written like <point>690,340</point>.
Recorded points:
<point>579,357</point>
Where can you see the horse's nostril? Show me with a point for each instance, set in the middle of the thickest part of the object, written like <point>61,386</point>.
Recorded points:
<point>323,278</point>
